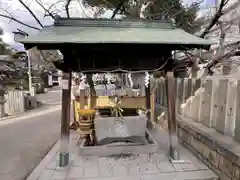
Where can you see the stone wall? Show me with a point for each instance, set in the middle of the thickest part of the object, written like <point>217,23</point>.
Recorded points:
<point>208,121</point>
<point>221,153</point>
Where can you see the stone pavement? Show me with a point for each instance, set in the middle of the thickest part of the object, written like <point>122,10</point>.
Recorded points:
<point>135,167</point>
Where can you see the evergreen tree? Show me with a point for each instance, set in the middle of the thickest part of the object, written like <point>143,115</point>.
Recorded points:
<point>185,16</point>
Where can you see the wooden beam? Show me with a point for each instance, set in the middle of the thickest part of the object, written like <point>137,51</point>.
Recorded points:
<point>148,105</point>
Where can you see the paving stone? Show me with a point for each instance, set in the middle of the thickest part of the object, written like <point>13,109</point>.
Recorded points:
<point>79,161</point>
<point>75,173</point>
<point>120,170</point>
<point>63,169</point>
<point>46,175</point>
<point>74,156</point>
<point>52,165</point>
<point>59,175</point>
<point>165,167</point>
<point>92,171</point>
<point>158,157</point>
<point>160,176</point>
<point>195,175</point>
<point>143,158</point>
<point>105,171</point>
<point>189,167</point>
<point>177,167</point>
<point>90,161</point>
<point>149,168</point>
<point>103,160</point>
<point>201,166</point>
<point>134,169</point>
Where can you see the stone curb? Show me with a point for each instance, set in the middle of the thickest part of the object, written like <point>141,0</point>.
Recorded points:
<point>36,173</point>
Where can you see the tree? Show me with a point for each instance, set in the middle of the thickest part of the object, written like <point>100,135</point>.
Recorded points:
<point>218,25</point>
<point>1,31</point>
<point>184,16</point>
<point>4,48</point>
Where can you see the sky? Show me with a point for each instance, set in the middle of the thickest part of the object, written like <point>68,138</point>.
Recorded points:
<point>18,11</point>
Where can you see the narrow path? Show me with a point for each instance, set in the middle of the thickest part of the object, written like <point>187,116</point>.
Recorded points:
<point>24,143</point>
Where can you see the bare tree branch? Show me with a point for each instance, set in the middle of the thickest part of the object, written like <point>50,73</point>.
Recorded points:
<point>20,22</point>
<point>225,3</point>
<point>67,7</point>
<point>231,7</point>
<point>46,10</point>
<point>222,57</point>
<point>215,19</point>
<point>117,9</point>
<point>121,3</point>
<point>50,7</point>
<point>31,12</point>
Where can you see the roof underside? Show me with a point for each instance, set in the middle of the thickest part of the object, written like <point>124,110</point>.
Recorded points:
<point>98,31</point>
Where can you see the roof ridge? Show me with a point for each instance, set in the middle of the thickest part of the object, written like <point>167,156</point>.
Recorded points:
<point>114,23</point>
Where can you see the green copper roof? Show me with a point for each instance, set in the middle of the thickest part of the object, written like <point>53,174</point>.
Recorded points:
<point>81,31</point>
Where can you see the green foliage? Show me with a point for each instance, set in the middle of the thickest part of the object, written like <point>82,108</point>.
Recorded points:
<point>4,48</point>
<point>1,31</point>
<point>185,16</point>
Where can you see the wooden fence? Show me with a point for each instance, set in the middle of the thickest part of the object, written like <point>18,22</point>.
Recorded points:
<point>14,103</point>
<point>213,102</point>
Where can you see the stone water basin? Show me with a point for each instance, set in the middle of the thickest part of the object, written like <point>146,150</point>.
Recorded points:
<point>129,136</point>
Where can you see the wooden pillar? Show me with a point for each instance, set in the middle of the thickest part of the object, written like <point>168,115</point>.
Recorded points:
<point>65,119</point>
<point>153,102</point>
<point>148,105</point>
<point>172,125</point>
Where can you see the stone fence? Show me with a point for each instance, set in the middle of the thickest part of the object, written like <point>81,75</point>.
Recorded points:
<point>208,114</point>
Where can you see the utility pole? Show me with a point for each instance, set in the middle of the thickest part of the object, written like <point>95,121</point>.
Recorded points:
<point>29,75</point>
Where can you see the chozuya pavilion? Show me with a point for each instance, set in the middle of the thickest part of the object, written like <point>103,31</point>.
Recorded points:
<point>119,45</point>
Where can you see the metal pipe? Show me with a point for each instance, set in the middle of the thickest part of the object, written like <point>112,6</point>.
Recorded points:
<point>29,75</point>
